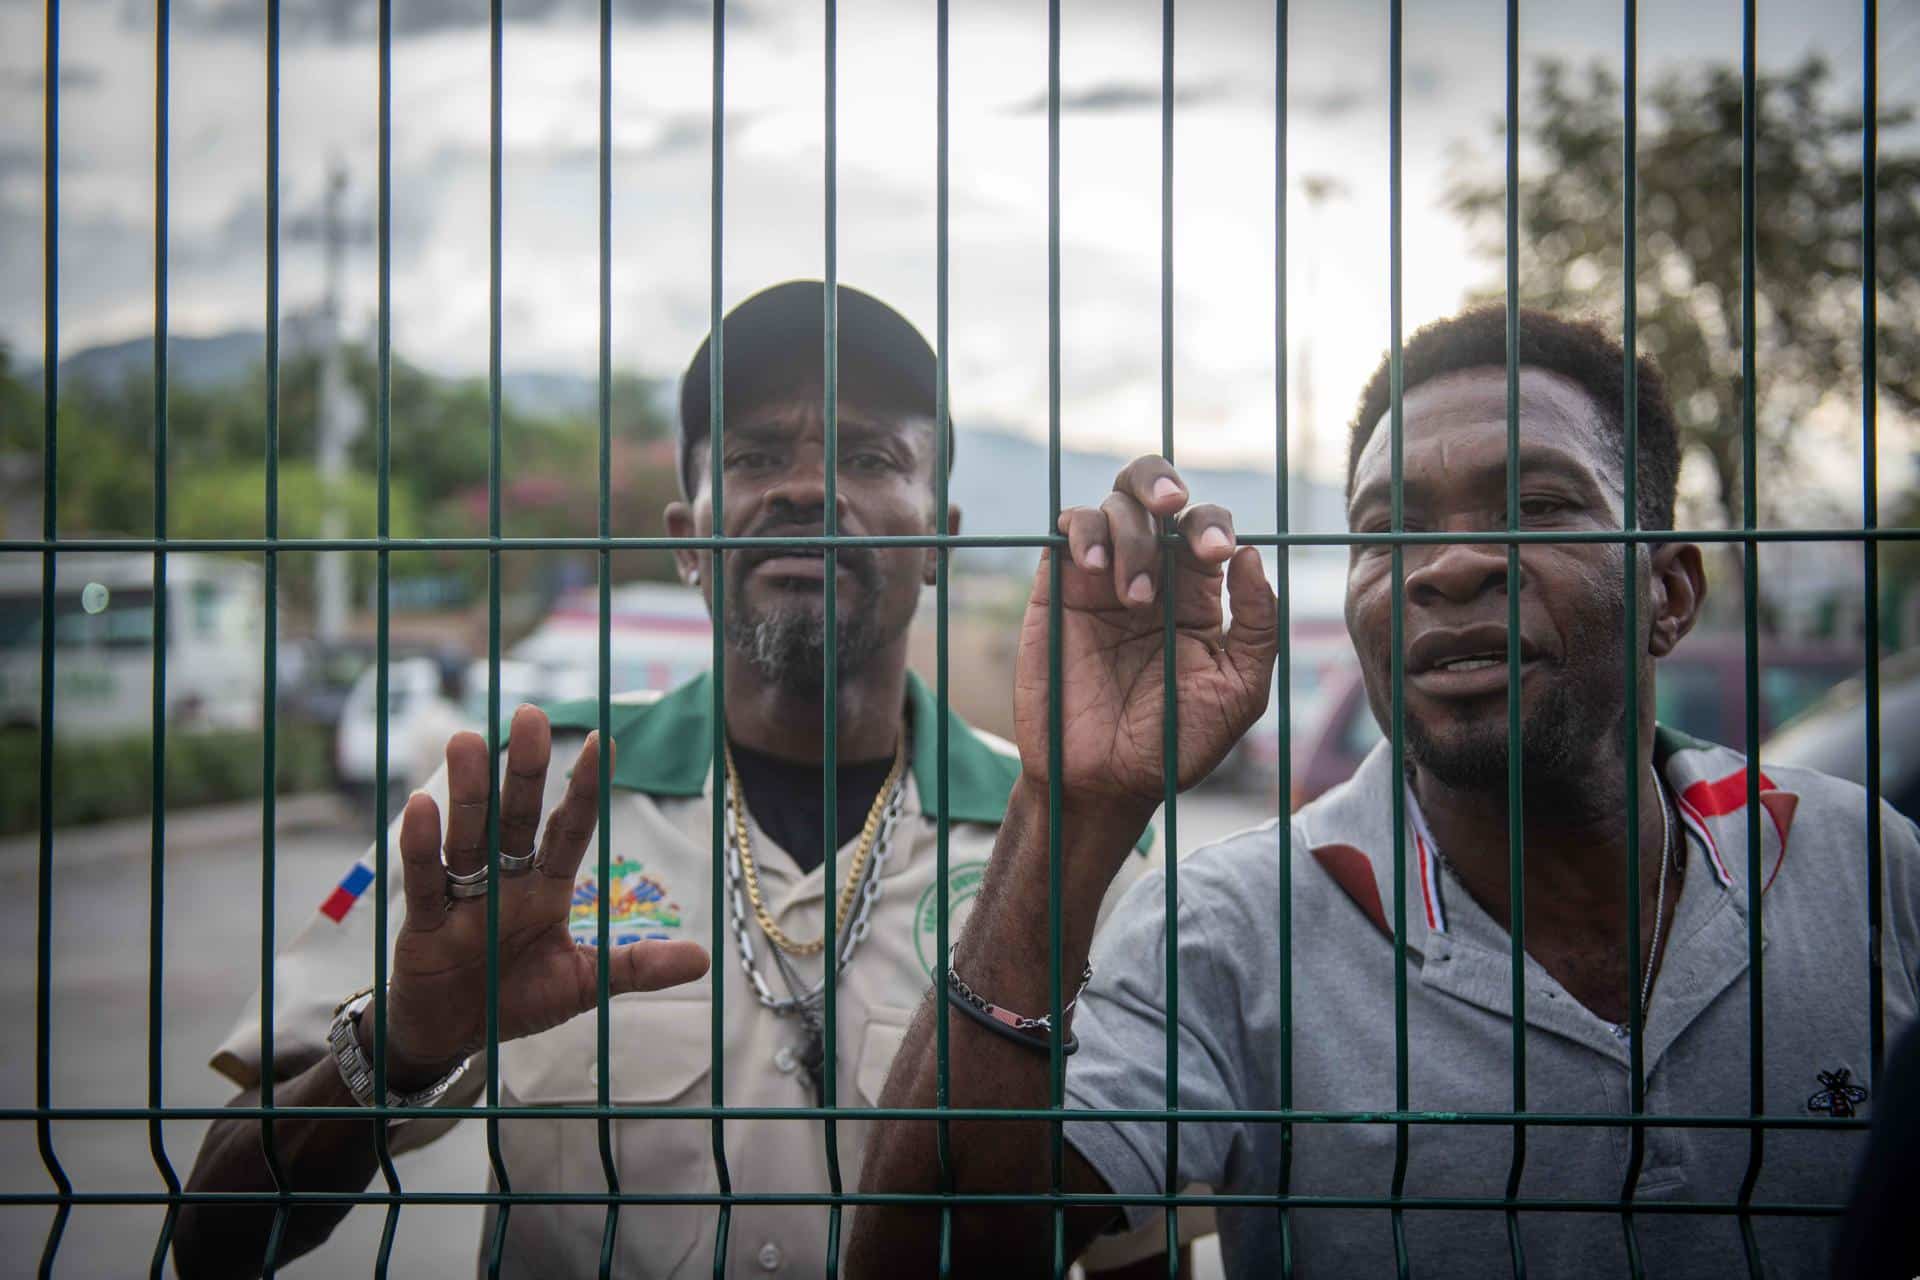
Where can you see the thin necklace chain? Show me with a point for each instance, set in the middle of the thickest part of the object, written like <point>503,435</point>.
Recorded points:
<point>855,869</point>
<point>869,894</point>
<point>1660,899</point>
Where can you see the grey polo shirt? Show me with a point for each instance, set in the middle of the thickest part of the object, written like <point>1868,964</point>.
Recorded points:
<point>1460,1033</point>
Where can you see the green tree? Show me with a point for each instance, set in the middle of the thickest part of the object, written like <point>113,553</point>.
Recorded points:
<point>1807,233</point>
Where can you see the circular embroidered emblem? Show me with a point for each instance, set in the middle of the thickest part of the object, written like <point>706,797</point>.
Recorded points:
<point>963,886</point>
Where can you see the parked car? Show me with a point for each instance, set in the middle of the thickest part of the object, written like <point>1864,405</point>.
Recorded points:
<point>1318,654</point>
<point>1831,735</point>
<point>425,696</point>
<point>1701,690</point>
<point>316,677</point>
<point>659,635</point>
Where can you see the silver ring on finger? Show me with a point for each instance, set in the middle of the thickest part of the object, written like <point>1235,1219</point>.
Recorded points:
<point>517,864</point>
<point>466,884</point>
<point>463,888</point>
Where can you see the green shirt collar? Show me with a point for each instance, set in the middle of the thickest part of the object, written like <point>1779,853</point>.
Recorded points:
<point>665,748</point>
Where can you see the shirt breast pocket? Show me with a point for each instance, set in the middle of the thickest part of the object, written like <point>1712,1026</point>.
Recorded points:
<point>659,1056</point>
<point>885,1031</point>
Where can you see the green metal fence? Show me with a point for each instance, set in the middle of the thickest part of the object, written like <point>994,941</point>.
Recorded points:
<point>389,1190</point>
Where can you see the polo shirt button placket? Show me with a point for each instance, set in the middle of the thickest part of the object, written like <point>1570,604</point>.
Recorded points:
<point>770,1256</point>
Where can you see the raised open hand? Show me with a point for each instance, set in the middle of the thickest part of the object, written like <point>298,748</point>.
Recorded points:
<point>436,1007</point>
<point>1112,644</point>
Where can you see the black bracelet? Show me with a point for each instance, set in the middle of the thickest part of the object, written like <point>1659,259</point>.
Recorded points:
<point>1068,1046</point>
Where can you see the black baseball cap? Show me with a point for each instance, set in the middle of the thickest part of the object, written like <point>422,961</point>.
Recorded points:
<point>779,336</point>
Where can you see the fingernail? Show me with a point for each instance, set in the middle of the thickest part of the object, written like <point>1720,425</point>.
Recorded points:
<point>1166,487</point>
<point>1096,557</point>
<point>1215,539</point>
<point>1140,590</point>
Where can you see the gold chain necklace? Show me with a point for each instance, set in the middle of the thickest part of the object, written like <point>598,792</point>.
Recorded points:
<point>750,877</point>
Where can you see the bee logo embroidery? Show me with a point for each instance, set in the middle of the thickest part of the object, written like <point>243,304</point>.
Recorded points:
<point>1839,1097</point>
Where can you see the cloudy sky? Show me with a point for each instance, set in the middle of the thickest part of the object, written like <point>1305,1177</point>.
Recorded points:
<point>774,129</point>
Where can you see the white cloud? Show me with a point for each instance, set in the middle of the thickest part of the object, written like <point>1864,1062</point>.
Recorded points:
<point>1224,275</point>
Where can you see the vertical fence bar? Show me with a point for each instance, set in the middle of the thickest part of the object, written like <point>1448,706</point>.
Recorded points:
<point>270,659</point>
<point>716,564</point>
<point>382,694</point>
<point>1750,554</point>
<point>1169,663</point>
<point>1516,860</point>
<point>1056,1060</point>
<point>830,685</point>
<point>1283,674</point>
<point>943,428</point>
<point>497,52</point>
<point>49,526</point>
<point>157,874</point>
<point>1630,620</point>
<point>1397,731</point>
<point>602,827</point>
<point>1870,509</point>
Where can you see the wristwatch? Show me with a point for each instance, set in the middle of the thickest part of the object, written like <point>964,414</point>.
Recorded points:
<point>357,1072</point>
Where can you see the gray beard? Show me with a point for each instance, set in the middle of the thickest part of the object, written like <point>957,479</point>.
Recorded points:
<point>788,647</point>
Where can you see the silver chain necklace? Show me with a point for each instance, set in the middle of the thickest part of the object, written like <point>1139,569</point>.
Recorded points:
<point>1660,898</point>
<point>870,889</point>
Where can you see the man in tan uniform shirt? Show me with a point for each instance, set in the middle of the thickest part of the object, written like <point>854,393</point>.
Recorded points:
<point>661,861</point>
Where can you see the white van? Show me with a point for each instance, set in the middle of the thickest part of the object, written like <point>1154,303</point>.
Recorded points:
<point>103,642</point>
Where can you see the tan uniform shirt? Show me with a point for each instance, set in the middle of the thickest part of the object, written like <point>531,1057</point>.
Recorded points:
<point>661,1050</point>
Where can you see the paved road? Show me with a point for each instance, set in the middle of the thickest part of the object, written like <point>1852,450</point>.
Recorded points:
<point>212,937</point>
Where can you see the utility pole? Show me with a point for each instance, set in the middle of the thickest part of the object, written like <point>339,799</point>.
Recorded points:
<point>1318,189</point>
<point>341,416</point>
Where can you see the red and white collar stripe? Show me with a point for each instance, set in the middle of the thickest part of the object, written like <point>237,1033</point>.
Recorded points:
<point>1427,851</point>
<point>1696,825</point>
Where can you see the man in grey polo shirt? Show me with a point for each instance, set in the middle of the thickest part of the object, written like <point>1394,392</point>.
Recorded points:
<point>1701,1053</point>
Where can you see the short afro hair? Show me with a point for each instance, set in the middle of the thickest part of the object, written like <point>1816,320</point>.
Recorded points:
<point>1575,349</point>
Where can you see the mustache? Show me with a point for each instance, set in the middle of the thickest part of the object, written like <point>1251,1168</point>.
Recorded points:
<point>861,562</point>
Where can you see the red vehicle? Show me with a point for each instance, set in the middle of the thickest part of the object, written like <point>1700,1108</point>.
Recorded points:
<point>1701,691</point>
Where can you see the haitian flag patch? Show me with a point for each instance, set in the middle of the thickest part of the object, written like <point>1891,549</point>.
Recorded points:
<point>347,892</point>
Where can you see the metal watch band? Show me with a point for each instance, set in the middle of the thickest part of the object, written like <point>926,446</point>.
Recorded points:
<point>357,1073</point>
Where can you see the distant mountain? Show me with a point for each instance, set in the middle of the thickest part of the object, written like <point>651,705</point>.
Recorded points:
<point>222,359</point>
<point>1000,484</point>
<point>196,362</point>
<point>1000,481</point>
